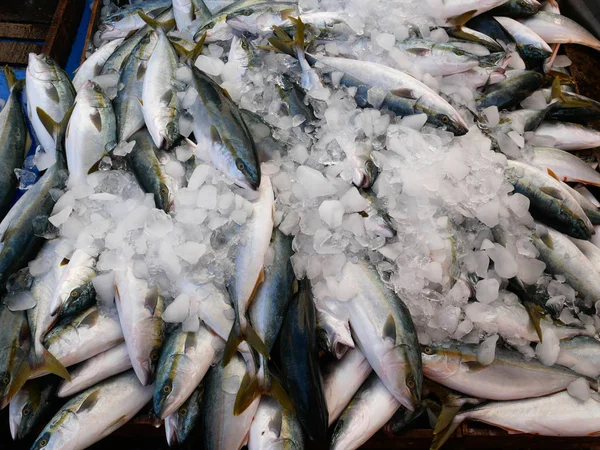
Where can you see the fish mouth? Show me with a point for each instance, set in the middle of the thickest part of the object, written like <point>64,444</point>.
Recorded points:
<point>13,422</point>
<point>171,431</point>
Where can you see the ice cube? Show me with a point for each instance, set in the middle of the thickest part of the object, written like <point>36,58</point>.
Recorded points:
<point>58,219</point>
<point>190,251</point>
<point>178,310</point>
<point>299,153</point>
<point>519,204</point>
<point>580,389</point>
<point>314,183</point>
<point>488,213</point>
<point>19,301</point>
<point>39,267</point>
<point>207,197</point>
<point>332,213</point>
<point>547,351</point>
<point>104,285</point>
<point>530,269</point>
<point>487,290</point>
<point>535,101</point>
<point>199,176</point>
<point>386,40</point>
<point>487,350</point>
<point>504,262</point>
<point>492,115</point>
<point>43,160</point>
<point>414,121</point>
<point>211,66</point>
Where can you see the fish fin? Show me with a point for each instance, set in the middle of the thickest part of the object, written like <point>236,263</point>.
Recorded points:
<point>233,341</point>
<point>190,55</point>
<point>89,401</point>
<point>64,262</point>
<point>279,393</point>
<point>17,383</point>
<point>190,341</point>
<point>117,295</point>
<point>55,129</point>
<point>474,366</point>
<point>256,342</point>
<point>11,80</point>
<point>389,329</point>
<point>95,167</point>
<point>419,51</point>
<point>167,97</point>
<point>547,239</point>
<point>91,318</point>
<point>141,102</point>
<point>51,92</point>
<point>152,300</point>
<point>461,19</point>
<point>557,92</point>
<point>535,315</point>
<point>115,424</point>
<point>251,388</point>
<point>553,192</point>
<point>96,119</point>
<point>404,93</point>
<point>226,94</point>
<point>141,71</point>
<point>247,393</point>
<point>445,417</point>
<point>284,43</point>
<point>591,183</point>
<point>444,434</point>
<point>552,174</point>
<point>165,26</point>
<point>46,362</point>
<point>214,135</point>
<point>275,423</point>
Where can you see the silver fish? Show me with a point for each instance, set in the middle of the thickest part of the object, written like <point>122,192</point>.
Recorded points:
<point>92,66</point>
<point>581,354</point>
<point>558,29</point>
<point>566,167</point>
<point>275,428</point>
<point>569,136</point>
<point>333,334</point>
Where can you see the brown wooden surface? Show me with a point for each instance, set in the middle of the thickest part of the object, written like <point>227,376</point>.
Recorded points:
<point>31,31</point>
<point>27,11</point>
<point>16,53</point>
<point>63,29</point>
<point>92,27</point>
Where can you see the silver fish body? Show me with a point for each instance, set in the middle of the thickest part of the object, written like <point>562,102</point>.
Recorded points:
<point>558,29</point>
<point>569,136</point>
<point>31,404</point>
<point>92,66</point>
<point>567,167</point>
<point>274,428</point>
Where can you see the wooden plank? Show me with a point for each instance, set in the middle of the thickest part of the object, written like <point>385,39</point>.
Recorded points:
<point>63,29</point>
<point>28,11</point>
<point>16,53</point>
<point>31,31</point>
<point>92,27</point>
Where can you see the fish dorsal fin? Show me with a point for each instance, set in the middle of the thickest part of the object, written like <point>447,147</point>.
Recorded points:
<point>64,262</point>
<point>552,174</point>
<point>389,329</point>
<point>419,51</point>
<point>553,192</point>
<point>96,119</point>
<point>461,19</point>
<point>535,315</point>
<point>89,402</point>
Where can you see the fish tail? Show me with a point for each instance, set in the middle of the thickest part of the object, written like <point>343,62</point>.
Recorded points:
<point>237,335</point>
<point>46,362</point>
<point>190,55</point>
<point>165,26</point>
<point>55,129</point>
<point>263,383</point>
<point>17,383</point>
<point>11,80</point>
<point>284,43</point>
<point>442,435</point>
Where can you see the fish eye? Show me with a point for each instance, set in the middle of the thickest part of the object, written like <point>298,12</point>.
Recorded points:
<point>164,191</point>
<point>166,389</point>
<point>459,52</point>
<point>43,442</point>
<point>154,355</point>
<point>246,12</point>
<point>445,119</point>
<point>428,351</point>
<point>26,411</point>
<point>75,293</point>
<point>118,18</point>
<point>410,383</point>
<point>183,411</point>
<point>240,164</point>
<point>5,379</point>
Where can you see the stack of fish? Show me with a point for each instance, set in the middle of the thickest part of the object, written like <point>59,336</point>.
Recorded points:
<point>274,219</point>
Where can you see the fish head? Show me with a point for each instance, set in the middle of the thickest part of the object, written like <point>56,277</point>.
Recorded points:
<point>439,362</point>
<point>171,428</point>
<point>78,299</point>
<point>441,114</point>
<point>242,20</point>
<point>528,7</point>
<point>405,380</point>
<point>91,93</point>
<point>164,198</point>
<point>365,175</point>
<point>6,379</point>
<point>21,414</point>
<point>163,398</point>
<point>53,439</point>
<point>42,67</point>
<point>244,172</point>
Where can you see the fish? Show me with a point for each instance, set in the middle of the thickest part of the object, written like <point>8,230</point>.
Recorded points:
<point>222,429</point>
<point>298,356</point>
<point>260,17</point>
<point>126,20</point>
<point>477,77</point>
<point>557,29</point>
<point>183,11</point>
<point>333,334</point>
<point>509,377</point>
<point>39,317</point>
<point>219,127</point>
<point>180,424</point>
<point>532,48</point>
<point>383,330</point>
<point>591,252</point>
<point>486,24</point>
<point>48,88</point>
<point>511,91</point>
<point>266,314</point>
<point>559,414</point>
<point>266,145</point>
<point>30,406</point>
<point>95,369</point>
<point>13,140</point>
<point>92,66</point>
<point>406,95</point>
<point>550,201</point>
<point>201,11</point>
<point>248,273</point>
<point>569,136</point>
<point>74,291</point>
<point>184,360</point>
<point>581,354</point>
<point>530,118</point>
<point>140,310</point>
<point>274,427</point>
<point>127,107</point>
<point>567,167</point>
<point>160,103</point>
<point>453,11</point>
<point>590,208</point>
<point>243,55</point>
<point>376,215</point>
<point>293,97</point>
<point>22,228</point>
<point>562,257</point>
<point>467,34</point>
<point>149,172</point>
<point>94,414</point>
<point>79,338</point>
<point>342,379</point>
<point>518,8</point>
<point>572,107</point>
<point>437,59</point>
<point>15,343</point>
<point>370,409</point>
